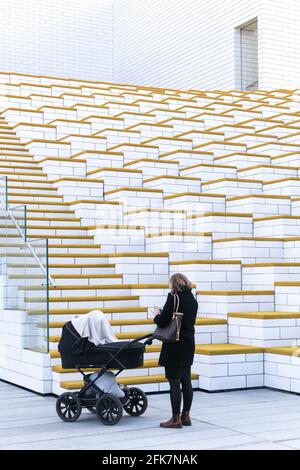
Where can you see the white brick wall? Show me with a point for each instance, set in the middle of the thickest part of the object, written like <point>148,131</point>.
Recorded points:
<point>170,43</point>
<point>69,38</point>
<point>190,43</point>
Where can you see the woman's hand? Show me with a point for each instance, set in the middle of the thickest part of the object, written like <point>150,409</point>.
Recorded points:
<point>156,311</point>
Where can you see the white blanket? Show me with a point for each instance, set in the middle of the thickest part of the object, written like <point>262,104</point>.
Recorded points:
<point>95,327</point>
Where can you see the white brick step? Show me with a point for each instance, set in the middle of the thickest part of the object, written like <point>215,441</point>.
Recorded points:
<point>38,204</point>
<point>128,335</point>
<point>78,290</point>
<point>17,163</point>
<point>34,231</point>
<point>276,226</point>
<point>149,383</point>
<point>23,177</point>
<point>66,214</point>
<point>210,274</point>
<point>98,267</point>
<point>118,237</point>
<point>17,268</point>
<point>222,224</point>
<point>264,329</point>
<point>13,246</point>
<point>45,221</point>
<point>218,304</point>
<point>29,197</point>
<point>196,203</point>
<point>250,249</point>
<point>181,245</point>
<point>150,368</point>
<point>31,190</point>
<point>92,302</point>
<point>260,205</point>
<point>229,366</point>
<point>34,184</point>
<point>154,220</point>
<point>265,275</point>
<point>15,149</point>
<point>112,313</point>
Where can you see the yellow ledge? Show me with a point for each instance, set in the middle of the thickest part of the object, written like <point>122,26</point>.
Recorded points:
<point>236,292</point>
<point>265,315</point>
<point>221,349</point>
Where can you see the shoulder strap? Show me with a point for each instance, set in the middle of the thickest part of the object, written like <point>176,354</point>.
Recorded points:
<point>176,300</point>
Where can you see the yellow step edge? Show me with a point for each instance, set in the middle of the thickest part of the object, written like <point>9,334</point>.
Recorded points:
<point>121,336</point>
<point>221,214</point>
<point>114,170</point>
<point>265,315</point>
<point>111,286</point>
<point>222,349</point>
<point>82,311</point>
<point>84,298</point>
<point>35,195</point>
<point>268,265</point>
<point>187,234</point>
<point>87,276</point>
<point>237,292</point>
<point>238,180</point>
<point>259,196</point>
<point>258,239</point>
<point>143,379</point>
<point>173,196</point>
<point>287,284</point>
<point>163,177</point>
<point>148,363</point>
<point>75,245</point>
<point>135,189</point>
<point>284,350</point>
<point>148,321</point>
<point>54,354</point>
<point>197,261</point>
<point>151,160</point>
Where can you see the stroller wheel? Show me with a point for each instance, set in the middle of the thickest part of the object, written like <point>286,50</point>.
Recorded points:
<point>137,402</point>
<point>68,407</point>
<point>109,409</point>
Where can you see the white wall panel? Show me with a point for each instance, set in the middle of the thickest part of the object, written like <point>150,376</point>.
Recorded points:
<point>190,43</point>
<point>68,38</point>
<point>178,43</point>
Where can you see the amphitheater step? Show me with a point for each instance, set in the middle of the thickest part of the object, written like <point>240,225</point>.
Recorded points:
<point>229,366</point>
<point>150,383</point>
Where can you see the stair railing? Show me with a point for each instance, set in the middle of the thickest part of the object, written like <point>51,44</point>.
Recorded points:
<point>24,272</point>
<point>23,233</point>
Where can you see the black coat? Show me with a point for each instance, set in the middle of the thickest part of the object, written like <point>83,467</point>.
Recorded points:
<point>179,354</point>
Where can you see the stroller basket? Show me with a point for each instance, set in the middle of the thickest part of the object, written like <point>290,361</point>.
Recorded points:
<point>79,352</point>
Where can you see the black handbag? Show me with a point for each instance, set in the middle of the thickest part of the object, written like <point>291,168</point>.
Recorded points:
<point>170,333</point>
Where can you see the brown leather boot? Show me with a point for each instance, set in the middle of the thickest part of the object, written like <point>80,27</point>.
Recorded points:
<point>186,419</point>
<point>174,422</point>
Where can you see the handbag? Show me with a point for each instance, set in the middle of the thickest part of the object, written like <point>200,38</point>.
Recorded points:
<point>170,333</point>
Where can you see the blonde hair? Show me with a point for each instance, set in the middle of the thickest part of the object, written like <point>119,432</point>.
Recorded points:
<point>179,283</point>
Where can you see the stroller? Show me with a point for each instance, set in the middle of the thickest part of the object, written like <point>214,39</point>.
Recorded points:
<point>101,394</point>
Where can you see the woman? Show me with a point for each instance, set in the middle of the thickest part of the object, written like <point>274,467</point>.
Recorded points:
<point>178,357</point>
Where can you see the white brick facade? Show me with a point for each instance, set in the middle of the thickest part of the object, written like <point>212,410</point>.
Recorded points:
<point>171,43</point>
<point>66,38</point>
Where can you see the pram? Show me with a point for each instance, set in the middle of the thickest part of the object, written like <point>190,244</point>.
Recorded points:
<point>79,353</point>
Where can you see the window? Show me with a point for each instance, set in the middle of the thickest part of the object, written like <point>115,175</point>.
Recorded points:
<point>246,56</point>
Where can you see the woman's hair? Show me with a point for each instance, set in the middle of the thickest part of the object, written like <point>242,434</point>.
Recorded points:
<point>180,283</point>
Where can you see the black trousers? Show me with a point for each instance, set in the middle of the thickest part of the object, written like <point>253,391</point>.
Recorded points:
<point>180,388</point>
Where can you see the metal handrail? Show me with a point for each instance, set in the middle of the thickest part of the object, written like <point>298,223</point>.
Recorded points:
<point>24,237</point>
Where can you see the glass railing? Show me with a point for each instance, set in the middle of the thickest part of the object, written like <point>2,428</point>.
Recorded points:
<point>3,192</point>
<point>24,273</point>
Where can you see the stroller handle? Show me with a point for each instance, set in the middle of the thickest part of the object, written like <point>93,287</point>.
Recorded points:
<point>148,337</point>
